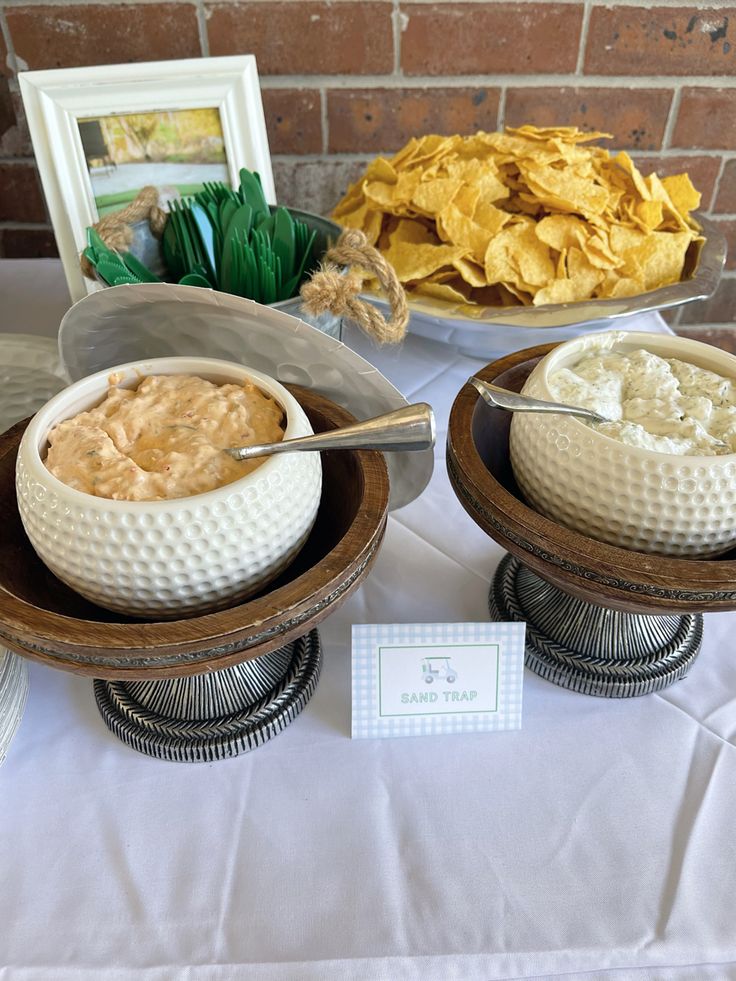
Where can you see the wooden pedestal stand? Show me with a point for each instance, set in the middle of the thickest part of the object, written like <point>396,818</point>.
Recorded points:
<point>210,686</point>
<point>600,619</point>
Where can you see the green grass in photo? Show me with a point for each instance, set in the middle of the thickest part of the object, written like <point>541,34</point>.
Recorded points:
<point>108,203</point>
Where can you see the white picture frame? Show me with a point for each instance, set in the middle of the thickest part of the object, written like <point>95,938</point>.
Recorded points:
<point>55,101</point>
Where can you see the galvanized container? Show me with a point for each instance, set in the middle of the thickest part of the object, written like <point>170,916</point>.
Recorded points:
<point>147,248</point>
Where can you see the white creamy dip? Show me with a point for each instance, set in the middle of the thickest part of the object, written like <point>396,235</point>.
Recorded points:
<point>657,403</point>
<point>164,439</point>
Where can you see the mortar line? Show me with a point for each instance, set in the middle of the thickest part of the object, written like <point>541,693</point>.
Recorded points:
<point>568,3</point>
<point>324,121</point>
<point>717,185</point>
<point>13,4</point>
<point>11,60</point>
<point>645,4</point>
<point>583,38</point>
<point>204,38</point>
<point>672,115</point>
<point>396,28</point>
<point>682,152</point>
<point>636,153</point>
<point>665,83</point>
<point>675,322</point>
<point>501,121</point>
<point>366,155</point>
<point>33,226</point>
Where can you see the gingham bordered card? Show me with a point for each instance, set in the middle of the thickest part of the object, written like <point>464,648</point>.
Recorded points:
<point>416,679</point>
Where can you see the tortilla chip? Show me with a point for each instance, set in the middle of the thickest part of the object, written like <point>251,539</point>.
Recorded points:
<point>682,193</point>
<point>562,231</point>
<point>455,227</point>
<point>431,197</point>
<point>443,291</point>
<point>531,215</point>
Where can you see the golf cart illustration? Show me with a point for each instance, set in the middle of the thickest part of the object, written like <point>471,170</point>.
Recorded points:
<point>438,667</point>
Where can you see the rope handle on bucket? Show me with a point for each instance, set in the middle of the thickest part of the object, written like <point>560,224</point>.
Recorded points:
<point>330,289</point>
<point>115,231</point>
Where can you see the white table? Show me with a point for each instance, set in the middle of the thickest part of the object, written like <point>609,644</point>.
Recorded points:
<point>598,842</point>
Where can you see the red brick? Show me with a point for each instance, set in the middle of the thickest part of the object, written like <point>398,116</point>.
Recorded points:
<point>719,309</point>
<point>636,118</point>
<point>7,113</point>
<point>313,38</point>
<point>375,120</point>
<point>20,193</point>
<point>726,200</point>
<point>27,243</point>
<point>68,36</point>
<point>689,40</point>
<point>490,38</point>
<point>293,120</point>
<point>728,227</point>
<point>706,120</point>
<point>703,172</point>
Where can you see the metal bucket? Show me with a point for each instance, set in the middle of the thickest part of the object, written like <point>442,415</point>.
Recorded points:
<point>146,247</point>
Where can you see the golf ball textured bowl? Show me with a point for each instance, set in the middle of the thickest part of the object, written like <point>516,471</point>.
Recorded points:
<point>169,558</point>
<point>625,495</point>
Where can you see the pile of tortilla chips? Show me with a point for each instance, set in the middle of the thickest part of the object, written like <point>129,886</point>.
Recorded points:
<point>528,216</point>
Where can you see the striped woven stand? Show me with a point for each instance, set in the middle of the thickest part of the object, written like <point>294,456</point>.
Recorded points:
<point>589,648</point>
<point>217,715</point>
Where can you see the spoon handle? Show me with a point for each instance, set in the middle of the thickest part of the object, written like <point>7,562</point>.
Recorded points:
<point>410,428</point>
<point>502,398</point>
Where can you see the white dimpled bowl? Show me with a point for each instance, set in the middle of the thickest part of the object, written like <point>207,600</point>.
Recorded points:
<point>624,495</point>
<point>172,558</point>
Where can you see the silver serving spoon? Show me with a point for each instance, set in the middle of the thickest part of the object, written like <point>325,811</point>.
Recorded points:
<point>502,398</point>
<point>410,428</point>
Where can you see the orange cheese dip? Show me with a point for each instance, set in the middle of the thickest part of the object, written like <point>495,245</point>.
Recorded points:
<point>164,439</point>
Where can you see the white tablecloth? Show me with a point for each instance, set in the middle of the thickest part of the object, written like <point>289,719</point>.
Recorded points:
<point>596,842</point>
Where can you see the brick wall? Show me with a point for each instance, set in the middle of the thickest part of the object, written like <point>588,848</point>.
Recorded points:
<point>345,79</point>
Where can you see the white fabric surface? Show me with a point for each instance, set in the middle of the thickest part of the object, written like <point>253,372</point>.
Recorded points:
<point>595,843</point>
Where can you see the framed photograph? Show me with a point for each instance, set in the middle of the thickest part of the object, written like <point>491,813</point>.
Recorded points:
<point>101,134</point>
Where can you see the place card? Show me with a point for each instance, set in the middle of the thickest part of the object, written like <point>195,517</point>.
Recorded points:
<point>416,679</point>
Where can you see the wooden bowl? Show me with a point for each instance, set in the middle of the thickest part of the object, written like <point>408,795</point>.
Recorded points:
<point>480,471</point>
<point>43,619</point>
